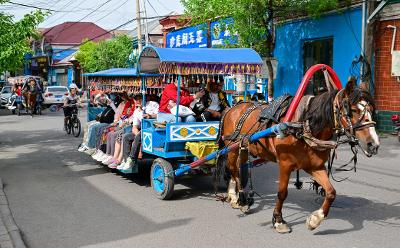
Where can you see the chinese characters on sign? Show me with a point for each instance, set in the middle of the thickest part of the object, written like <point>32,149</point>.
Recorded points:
<point>191,37</point>
<point>196,36</point>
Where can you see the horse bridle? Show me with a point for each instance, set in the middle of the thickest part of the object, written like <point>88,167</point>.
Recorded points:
<point>343,111</point>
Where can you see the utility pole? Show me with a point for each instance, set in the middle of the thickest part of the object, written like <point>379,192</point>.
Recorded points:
<point>139,26</point>
<point>146,23</point>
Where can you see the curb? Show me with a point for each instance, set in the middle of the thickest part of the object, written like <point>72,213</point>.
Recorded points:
<point>8,220</point>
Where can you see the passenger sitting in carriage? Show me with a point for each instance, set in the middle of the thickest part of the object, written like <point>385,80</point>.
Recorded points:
<point>105,118</point>
<point>124,157</point>
<point>214,101</point>
<point>114,131</point>
<point>30,87</point>
<point>168,101</point>
<point>96,130</point>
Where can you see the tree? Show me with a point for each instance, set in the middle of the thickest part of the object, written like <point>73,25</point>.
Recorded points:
<point>105,54</point>
<point>254,19</point>
<point>15,37</point>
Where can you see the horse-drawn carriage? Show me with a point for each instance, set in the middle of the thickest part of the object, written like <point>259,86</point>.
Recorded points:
<point>295,132</point>
<point>27,95</point>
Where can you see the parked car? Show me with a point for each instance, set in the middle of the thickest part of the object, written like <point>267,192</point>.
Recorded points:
<point>5,94</point>
<point>2,84</point>
<point>55,95</point>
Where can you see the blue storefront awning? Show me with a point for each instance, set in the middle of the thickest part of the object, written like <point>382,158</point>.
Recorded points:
<point>114,72</point>
<point>151,57</point>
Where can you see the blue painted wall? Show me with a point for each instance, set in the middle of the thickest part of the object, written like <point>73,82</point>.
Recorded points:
<point>344,27</point>
<point>70,75</point>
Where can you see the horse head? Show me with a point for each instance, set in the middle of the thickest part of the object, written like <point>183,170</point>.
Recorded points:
<point>353,114</point>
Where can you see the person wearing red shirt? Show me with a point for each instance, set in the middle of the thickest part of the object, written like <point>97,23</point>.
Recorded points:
<point>168,100</point>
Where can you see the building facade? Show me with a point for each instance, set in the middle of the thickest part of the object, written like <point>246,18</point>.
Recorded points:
<point>387,65</point>
<point>53,57</point>
<point>333,39</point>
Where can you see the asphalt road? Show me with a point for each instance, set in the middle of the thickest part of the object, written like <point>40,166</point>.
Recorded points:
<point>62,198</point>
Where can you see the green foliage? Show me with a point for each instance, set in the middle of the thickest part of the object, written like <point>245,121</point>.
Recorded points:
<point>254,18</point>
<point>105,54</point>
<point>14,38</point>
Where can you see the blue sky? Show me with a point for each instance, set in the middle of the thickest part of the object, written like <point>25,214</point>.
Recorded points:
<point>109,16</point>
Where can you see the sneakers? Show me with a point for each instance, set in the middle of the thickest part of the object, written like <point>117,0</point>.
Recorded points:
<point>90,151</point>
<point>98,154</point>
<point>130,167</point>
<point>102,157</point>
<point>113,165</point>
<point>83,148</point>
<point>121,166</point>
<point>128,164</point>
<point>108,160</point>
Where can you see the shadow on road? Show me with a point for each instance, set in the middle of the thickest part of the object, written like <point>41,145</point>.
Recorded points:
<point>53,202</point>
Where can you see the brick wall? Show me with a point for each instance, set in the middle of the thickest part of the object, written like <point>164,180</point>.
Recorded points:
<point>387,89</point>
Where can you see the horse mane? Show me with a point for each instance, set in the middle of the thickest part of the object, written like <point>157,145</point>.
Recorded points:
<point>358,95</point>
<point>320,111</point>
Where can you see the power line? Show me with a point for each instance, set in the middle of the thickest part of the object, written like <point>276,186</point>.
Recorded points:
<point>151,5</point>
<point>32,6</point>
<point>60,16</point>
<point>74,23</point>
<point>112,30</point>
<point>112,11</point>
<point>56,13</point>
<point>47,9</point>
<point>162,4</point>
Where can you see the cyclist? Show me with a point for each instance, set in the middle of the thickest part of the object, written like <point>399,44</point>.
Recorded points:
<point>71,102</point>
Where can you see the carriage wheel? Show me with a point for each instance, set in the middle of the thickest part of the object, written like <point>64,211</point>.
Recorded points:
<point>76,127</point>
<point>162,179</point>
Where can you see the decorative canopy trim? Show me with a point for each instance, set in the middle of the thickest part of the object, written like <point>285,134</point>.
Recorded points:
<point>199,61</point>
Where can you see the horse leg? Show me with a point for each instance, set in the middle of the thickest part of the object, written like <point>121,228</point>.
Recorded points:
<point>232,197</point>
<point>315,219</point>
<point>278,222</point>
<point>245,201</point>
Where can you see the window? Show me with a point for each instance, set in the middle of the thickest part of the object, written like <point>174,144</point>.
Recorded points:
<point>6,90</point>
<point>318,51</point>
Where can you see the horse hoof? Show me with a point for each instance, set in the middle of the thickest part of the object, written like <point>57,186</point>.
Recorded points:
<point>235,205</point>
<point>314,220</point>
<point>245,209</point>
<point>282,228</point>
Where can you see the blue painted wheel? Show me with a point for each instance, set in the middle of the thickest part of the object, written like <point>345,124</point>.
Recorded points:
<point>162,179</point>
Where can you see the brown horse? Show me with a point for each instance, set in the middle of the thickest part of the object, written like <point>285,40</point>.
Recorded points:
<point>349,111</point>
<point>30,101</point>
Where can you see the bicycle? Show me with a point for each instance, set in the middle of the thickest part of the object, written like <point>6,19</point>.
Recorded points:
<point>73,123</point>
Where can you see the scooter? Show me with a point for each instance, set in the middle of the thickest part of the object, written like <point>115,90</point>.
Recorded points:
<point>396,123</point>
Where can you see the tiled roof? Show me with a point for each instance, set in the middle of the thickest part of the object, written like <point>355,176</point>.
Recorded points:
<point>73,33</point>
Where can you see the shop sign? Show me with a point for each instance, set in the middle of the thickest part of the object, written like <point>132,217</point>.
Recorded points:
<point>191,37</point>
<point>221,34</point>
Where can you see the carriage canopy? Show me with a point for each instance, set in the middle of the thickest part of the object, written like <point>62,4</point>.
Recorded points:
<point>114,72</point>
<point>199,61</point>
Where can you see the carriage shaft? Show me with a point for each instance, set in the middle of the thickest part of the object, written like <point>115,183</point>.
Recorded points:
<point>254,137</point>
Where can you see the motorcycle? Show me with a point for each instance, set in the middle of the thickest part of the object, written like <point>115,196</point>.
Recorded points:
<point>15,104</point>
<point>396,123</point>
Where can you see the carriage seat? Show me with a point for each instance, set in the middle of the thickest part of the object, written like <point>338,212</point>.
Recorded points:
<point>276,109</point>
